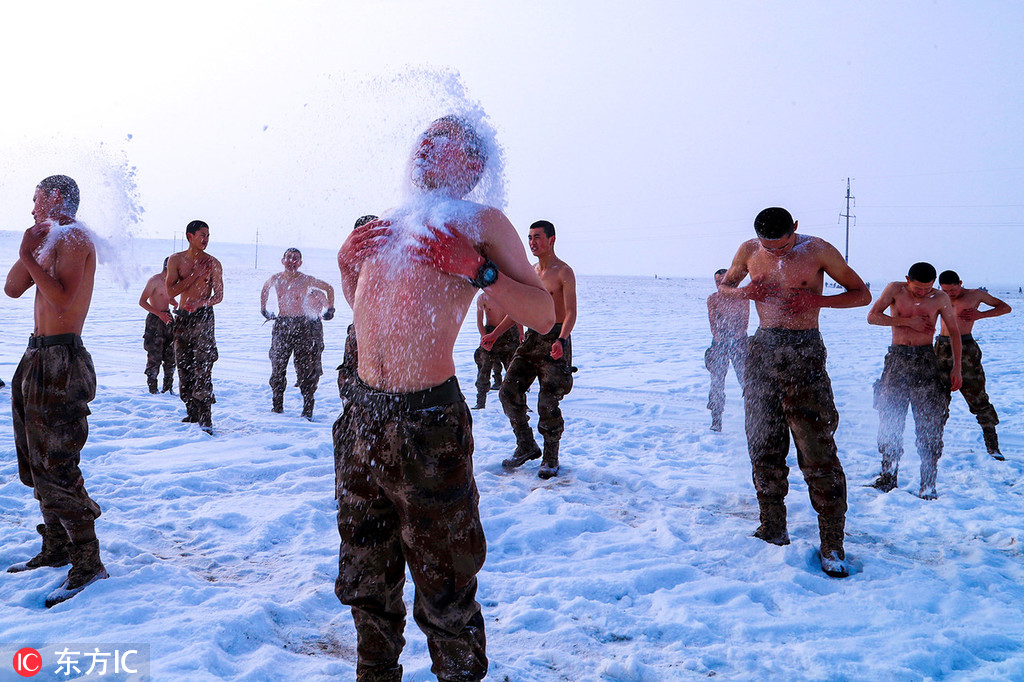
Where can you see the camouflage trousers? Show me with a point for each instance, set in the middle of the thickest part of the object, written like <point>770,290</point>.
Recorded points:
<point>407,497</point>
<point>158,341</point>
<point>532,360</point>
<point>50,396</point>
<point>912,377</point>
<point>494,360</point>
<point>195,348</point>
<point>787,390</point>
<point>717,359</point>
<point>973,388</point>
<point>302,338</point>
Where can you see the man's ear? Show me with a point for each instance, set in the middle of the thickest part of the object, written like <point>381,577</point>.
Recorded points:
<point>796,223</point>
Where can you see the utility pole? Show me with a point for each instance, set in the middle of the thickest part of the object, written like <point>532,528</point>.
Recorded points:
<point>848,215</point>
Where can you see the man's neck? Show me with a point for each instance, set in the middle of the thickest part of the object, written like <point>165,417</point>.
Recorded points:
<point>547,260</point>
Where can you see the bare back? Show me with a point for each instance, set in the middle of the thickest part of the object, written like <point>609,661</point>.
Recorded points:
<point>729,317</point>
<point>70,257</point>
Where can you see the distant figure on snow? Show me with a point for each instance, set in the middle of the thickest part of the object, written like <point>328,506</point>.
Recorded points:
<point>786,386</point>
<point>546,356</point>
<point>403,446</point>
<point>729,318</point>
<point>54,383</point>
<point>158,337</point>
<point>488,316</point>
<point>197,280</point>
<point>965,305</point>
<point>912,375</point>
<point>297,330</point>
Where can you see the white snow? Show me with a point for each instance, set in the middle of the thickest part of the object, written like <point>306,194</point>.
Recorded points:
<point>634,564</point>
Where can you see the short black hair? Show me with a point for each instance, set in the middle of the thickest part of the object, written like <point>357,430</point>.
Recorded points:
<point>949,277</point>
<point>774,223</point>
<point>721,271</point>
<point>546,225</point>
<point>362,220</point>
<point>474,143</point>
<point>68,189</point>
<point>922,272</point>
<point>291,250</point>
<point>195,226</point>
<point>165,262</point>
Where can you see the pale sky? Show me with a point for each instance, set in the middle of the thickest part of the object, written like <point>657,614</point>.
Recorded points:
<point>650,135</point>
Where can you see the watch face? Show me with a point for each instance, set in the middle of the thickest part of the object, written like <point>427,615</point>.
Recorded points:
<point>489,273</point>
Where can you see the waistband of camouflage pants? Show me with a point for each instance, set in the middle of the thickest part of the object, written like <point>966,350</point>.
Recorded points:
<point>942,338</point>
<point>73,340</point>
<point>443,394</point>
<point>912,350</point>
<point>786,336</point>
<point>198,312</point>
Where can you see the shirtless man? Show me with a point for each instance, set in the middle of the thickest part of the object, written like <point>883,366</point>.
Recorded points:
<point>488,316</point>
<point>54,383</point>
<point>297,330</point>
<point>544,355</point>
<point>965,305</point>
<point>158,338</point>
<point>786,388</point>
<point>349,367</point>
<point>404,442</point>
<point>197,279</point>
<point>729,318</point>
<point>912,375</point>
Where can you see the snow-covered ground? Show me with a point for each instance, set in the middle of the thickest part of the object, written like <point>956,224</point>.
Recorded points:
<point>634,564</point>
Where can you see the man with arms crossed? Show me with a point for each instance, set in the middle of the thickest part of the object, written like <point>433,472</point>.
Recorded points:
<point>729,318</point>
<point>404,443</point>
<point>158,338</point>
<point>54,383</point>
<point>296,330</point>
<point>546,356</point>
<point>912,375</point>
<point>197,279</point>
<point>488,316</point>
<point>965,305</point>
<point>786,387</point>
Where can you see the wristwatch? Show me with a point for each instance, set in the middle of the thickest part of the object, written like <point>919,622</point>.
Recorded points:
<point>486,275</point>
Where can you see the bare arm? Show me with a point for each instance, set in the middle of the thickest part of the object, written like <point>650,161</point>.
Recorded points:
<point>730,286</point>
<point>999,307</point>
<point>326,288</point>
<point>949,319</point>
<point>885,299</point>
<point>363,242</point>
<point>217,285</point>
<point>487,340</point>
<point>61,289</point>
<point>568,278</point>
<point>18,280</point>
<point>480,318</point>
<point>856,294</point>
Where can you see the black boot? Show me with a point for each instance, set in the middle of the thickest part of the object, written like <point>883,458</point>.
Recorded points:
<point>307,408</point>
<point>278,403</point>
<point>832,554</point>
<point>885,482</point>
<point>151,382</point>
<point>549,465</point>
<point>55,551</point>
<point>526,449</point>
<point>86,568</point>
<point>204,417</point>
<point>481,401</point>
<point>190,413</point>
<point>773,523</point>
<point>992,442</point>
<point>168,384</point>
